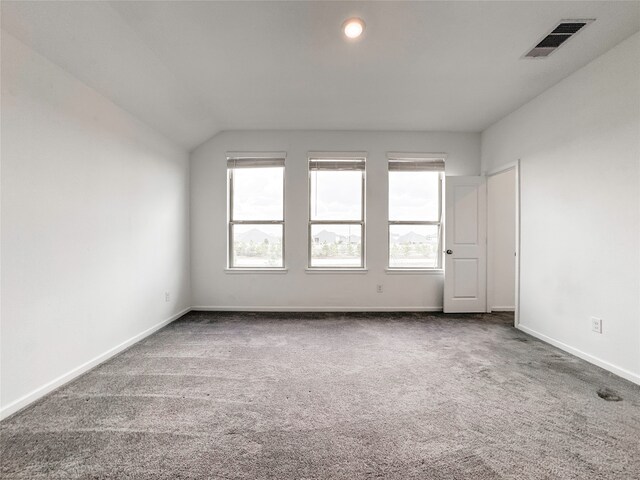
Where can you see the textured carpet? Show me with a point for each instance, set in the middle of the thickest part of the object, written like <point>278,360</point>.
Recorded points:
<point>333,396</point>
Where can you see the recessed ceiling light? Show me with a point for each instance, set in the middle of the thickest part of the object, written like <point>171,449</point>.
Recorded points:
<point>353,27</point>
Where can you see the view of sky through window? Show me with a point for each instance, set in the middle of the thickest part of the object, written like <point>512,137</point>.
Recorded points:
<point>336,195</point>
<point>413,196</point>
<point>258,193</point>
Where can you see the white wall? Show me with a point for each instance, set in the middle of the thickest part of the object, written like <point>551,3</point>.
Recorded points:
<point>579,145</point>
<point>212,287</point>
<point>94,226</point>
<point>501,240</point>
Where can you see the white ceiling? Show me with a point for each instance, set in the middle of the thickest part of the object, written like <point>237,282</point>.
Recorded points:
<point>191,69</point>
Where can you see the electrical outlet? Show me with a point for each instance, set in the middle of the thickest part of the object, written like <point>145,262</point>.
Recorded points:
<point>379,288</point>
<point>596,324</point>
<point>167,296</point>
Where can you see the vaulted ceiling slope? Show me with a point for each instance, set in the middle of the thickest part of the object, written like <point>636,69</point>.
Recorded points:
<point>191,69</point>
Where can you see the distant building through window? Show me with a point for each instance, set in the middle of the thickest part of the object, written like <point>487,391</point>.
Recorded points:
<point>336,210</point>
<point>415,211</point>
<point>256,210</point>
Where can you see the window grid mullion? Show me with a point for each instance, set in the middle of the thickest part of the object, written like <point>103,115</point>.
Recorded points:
<point>360,222</point>
<point>257,222</point>
<point>411,222</point>
<point>437,223</point>
<point>232,222</point>
<point>336,222</point>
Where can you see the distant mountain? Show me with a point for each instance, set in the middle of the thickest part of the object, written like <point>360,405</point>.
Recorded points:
<point>324,236</point>
<point>256,236</point>
<point>412,237</point>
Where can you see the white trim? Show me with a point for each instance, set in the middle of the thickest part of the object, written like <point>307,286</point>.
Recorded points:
<point>502,168</point>
<point>318,155</point>
<point>416,156</point>
<point>502,309</point>
<point>414,271</point>
<point>290,308</point>
<point>36,394</point>
<point>39,392</point>
<point>331,271</point>
<point>254,271</point>
<point>621,372</point>
<point>516,319</point>
<point>265,155</point>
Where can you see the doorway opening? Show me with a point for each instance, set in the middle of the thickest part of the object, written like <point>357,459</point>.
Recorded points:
<point>503,240</point>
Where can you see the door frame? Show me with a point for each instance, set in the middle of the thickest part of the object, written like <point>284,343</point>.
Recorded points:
<point>505,168</point>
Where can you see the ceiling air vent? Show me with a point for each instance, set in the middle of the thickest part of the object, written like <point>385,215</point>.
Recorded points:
<point>562,32</point>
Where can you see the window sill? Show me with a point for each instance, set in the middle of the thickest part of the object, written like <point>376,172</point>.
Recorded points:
<point>332,271</point>
<point>414,271</point>
<point>253,271</point>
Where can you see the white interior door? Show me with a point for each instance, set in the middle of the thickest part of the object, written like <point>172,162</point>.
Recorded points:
<point>465,257</point>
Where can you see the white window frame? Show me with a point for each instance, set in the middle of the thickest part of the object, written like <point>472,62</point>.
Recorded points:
<point>419,162</point>
<point>255,160</point>
<point>333,160</point>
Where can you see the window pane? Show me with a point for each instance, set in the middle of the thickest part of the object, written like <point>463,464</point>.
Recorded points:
<point>336,245</point>
<point>257,246</point>
<point>336,195</point>
<point>413,246</point>
<point>413,196</point>
<point>258,193</point>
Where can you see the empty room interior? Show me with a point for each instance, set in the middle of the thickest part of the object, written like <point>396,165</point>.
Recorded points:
<point>320,240</point>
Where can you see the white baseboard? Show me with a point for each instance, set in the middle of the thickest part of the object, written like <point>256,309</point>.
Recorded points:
<point>621,372</point>
<point>244,308</point>
<point>503,309</point>
<point>39,392</point>
<point>24,401</point>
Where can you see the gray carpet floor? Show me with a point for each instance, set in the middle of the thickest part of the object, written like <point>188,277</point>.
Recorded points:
<point>332,396</point>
